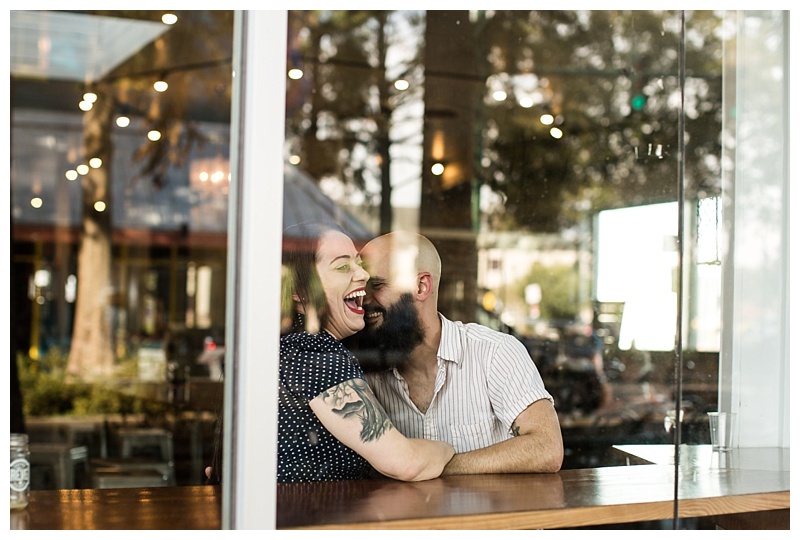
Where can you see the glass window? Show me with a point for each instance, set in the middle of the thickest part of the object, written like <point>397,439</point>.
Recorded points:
<point>120,175</point>
<point>539,151</point>
<point>609,187</point>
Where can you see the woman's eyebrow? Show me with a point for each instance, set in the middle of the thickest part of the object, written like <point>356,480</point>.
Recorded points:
<point>348,257</point>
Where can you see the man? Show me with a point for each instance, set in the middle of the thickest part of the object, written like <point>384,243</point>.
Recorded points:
<point>462,383</point>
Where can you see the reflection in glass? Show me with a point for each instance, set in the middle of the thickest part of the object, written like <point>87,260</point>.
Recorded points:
<point>119,195</point>
<point>539,151</point>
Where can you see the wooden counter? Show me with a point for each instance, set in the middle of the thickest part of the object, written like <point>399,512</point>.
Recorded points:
<point>190,507</point>
<point>568,499</point>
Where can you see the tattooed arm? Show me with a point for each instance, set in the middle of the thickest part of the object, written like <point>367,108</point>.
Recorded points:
<point>353,415</point>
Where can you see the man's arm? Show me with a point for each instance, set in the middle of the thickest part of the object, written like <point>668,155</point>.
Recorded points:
<point>535,447</point>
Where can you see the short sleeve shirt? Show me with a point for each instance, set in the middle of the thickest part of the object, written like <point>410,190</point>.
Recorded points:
<point>309,365</point>
<point>485,380</point>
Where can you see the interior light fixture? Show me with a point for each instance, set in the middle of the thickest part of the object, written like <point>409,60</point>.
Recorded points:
<point>85,105</point>
<point>437,169</point>
<point>154,135</point>
<point>169,18</point>
<point>95,163</point>
<point>547,119</point>
<point>71,175</point>
<point>295,74</point>
<point>100,206</point>
<point>499,95</point>
<point>160,85</point>
<point>556,133</point>
<point>123,121</point>
<point>401,84</point>
<point>82,169</point>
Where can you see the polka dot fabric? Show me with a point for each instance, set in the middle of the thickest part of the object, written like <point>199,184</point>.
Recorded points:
<point>309,365</point>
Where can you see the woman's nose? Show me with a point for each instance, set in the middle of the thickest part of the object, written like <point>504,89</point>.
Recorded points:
<point>361,274</point>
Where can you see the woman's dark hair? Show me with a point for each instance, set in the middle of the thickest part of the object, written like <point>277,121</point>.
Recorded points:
<point>300,283</point>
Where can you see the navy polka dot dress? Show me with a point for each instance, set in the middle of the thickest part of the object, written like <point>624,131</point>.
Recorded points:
<point>309,365</point>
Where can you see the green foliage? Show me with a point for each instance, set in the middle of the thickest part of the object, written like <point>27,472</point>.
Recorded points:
<point>559,284</point>
<point>46,390</point>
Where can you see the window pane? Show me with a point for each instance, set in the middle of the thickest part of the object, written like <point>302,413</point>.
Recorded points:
<point>540,152</point>
<point>120,130</point>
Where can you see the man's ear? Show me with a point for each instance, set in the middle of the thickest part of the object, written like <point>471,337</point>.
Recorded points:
<point>424,286</point>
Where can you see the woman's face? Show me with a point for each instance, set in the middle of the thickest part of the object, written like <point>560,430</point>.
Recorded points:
<point>343,280</point>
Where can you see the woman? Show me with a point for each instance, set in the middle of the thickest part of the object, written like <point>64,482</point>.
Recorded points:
<point>330,426</point>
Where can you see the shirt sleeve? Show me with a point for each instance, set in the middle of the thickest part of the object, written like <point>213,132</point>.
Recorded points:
<point>310,373</point>
<point>514,381</point>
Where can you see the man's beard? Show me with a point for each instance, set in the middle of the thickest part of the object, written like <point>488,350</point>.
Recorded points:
<point>389,344</point>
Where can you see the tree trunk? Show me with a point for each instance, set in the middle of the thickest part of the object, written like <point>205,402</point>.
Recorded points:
<point>91,354</point>
<point>446,211</point>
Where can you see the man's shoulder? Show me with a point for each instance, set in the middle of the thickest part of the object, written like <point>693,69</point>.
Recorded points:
<point>472,330</point>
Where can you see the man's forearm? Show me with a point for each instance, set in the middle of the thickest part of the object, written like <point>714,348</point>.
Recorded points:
<point>522,454</point>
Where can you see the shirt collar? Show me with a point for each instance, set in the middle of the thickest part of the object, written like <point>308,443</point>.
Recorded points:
<point>450,345</point>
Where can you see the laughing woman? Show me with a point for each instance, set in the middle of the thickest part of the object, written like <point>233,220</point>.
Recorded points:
<point>330,425</point>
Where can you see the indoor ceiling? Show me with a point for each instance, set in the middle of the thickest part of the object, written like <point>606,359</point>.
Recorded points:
<point>55,45</point>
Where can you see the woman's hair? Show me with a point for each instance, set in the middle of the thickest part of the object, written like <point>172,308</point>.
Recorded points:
<point>303,303</point>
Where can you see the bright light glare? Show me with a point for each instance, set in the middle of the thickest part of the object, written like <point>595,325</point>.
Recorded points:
<point>82,169</point>
<point>499,95</point>
<point>71,175</point>
<point>294,160</point>
<point>123,121</point>
<point>85,105</point>
<point>526,102</point>
<point>100,206</point>
<point>154,135</point>
<point>401,84</point>
<point>160,86</point>
<point>95,163</point>
<point>295,73</point>
<point>91,97</point>
<point>169,18</point>
<point>547,119</point>
<point>36,202</point>
<point>556,133</point>
<point>437,169</point>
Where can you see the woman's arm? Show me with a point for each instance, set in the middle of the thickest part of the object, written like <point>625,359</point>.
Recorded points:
<point>353,415</point>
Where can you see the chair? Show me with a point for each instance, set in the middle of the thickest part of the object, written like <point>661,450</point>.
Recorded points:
<point>146,459</point>
<point>58,466</point>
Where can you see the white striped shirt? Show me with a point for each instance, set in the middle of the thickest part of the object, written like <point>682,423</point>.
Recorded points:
<point>485,379</point>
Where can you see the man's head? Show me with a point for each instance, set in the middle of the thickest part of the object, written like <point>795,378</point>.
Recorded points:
<point>405,270</point>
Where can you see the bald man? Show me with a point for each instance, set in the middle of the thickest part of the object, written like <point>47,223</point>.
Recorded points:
<point>466,384</point>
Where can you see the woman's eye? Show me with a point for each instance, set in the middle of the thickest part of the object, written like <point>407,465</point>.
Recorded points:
<point>343,268</point>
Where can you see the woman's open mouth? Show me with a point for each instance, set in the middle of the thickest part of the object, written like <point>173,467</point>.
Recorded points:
<point>354,301</point>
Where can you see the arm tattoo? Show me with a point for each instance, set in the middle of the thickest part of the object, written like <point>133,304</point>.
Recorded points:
<point>515,429</point>
<point>352,398</point>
